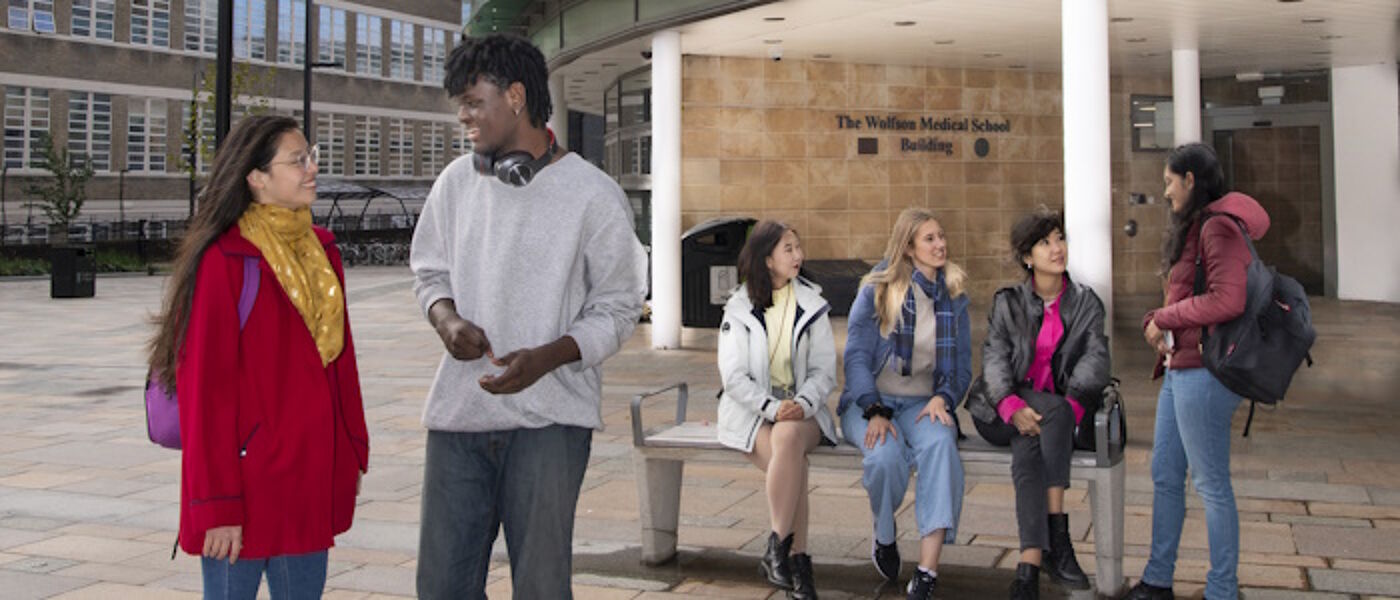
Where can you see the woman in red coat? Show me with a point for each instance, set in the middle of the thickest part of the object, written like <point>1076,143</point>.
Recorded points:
<point>271,417</point>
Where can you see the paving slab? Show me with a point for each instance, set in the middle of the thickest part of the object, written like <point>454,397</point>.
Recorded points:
<point>1347,542</point>
<point>1354,582</point>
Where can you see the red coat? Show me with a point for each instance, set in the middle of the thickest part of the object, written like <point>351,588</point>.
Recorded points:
<point>272,440</point>
<point>1225,258</point>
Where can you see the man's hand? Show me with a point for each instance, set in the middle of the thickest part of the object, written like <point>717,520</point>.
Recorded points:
<point>462,338</point>
<point>1026,421</point>
<point>790,410</point>
<point>524,367</point>
<point>224,542</point>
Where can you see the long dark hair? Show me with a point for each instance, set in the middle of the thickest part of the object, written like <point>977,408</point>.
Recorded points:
<point>1199,160</point>
<point>251,144</point>
<point>753,261</point>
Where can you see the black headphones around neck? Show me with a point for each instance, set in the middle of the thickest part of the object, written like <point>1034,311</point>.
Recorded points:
<point>517,167</point>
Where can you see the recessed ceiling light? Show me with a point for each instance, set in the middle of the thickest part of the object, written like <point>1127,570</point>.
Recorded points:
<point>773,41</point>
<point>905,23</point>
<point>1121,20</point>
<point>944,42</point>
<point>991,55</point>
<point>1136,40</point>
<point>774,19</point>
<point>821,56</point>
<point>1314,20</point>
<point>1331,37</point>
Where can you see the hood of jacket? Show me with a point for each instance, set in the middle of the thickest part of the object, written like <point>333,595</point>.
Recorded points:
<point>1245,209</point>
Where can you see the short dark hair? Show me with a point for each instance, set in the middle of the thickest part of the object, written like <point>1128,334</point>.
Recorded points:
<point>502,59</point>
<point>753,260</point>
<point>1028,232</point>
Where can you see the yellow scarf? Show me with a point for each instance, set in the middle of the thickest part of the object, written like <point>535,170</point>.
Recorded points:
<point>291,248</point>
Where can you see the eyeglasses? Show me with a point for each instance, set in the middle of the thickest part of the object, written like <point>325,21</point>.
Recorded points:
<point>306,160</point>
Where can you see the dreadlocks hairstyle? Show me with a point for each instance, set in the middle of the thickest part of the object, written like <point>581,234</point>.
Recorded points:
<point>502,59</point>
<point>1199,160</point>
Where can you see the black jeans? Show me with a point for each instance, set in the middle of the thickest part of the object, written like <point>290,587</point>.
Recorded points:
<point>1037,462</point>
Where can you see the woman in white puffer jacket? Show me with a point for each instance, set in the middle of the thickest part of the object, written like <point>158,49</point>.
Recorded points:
<point>777,358</point>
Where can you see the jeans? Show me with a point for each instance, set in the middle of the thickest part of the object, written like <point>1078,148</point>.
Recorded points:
<point>525,480</point>
<point>1193,431</point>
<point>929,446</point>
<point>1037,462</point>
<point>289,577</point>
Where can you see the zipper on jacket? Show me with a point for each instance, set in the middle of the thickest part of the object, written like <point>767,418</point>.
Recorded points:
<point>243,451</point>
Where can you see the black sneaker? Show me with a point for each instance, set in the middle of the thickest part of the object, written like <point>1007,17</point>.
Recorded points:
<point>886,559</point>
<point>1147,591</point>
<point>921,586</point>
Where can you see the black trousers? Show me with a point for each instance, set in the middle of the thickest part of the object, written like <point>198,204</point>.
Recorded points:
<point>1037,462</point>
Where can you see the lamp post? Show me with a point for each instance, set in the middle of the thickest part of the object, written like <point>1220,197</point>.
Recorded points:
<point>308,123</point>
<point>121,202</point>
<point>4,221</point>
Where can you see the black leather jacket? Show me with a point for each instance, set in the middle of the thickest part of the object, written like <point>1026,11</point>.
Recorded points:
<point>1081,364</point>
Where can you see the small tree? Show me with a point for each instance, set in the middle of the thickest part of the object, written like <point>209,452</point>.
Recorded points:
<point>252,88</point>
<point>60,198</point>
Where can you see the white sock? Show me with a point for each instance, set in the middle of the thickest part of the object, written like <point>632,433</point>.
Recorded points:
<point>931,573</point>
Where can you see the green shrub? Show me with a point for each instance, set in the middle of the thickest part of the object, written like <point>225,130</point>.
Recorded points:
<point>22,266</point>
<point>111,261</point>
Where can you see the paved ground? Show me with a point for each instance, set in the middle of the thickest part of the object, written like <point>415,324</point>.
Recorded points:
<point>88,506</point>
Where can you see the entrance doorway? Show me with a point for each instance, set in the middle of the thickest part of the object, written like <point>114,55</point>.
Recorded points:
<point>1281,156</point>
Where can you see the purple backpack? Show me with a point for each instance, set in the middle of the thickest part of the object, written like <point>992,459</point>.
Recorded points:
<point>162,407</point>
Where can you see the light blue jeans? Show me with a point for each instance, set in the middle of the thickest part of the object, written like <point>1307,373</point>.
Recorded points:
<point>929,446</point>
<point>1193,432</point>
<point>289,577</point>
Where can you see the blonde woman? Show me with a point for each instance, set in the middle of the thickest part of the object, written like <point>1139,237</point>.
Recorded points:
<point>778,361</point>
<point>908,363</point>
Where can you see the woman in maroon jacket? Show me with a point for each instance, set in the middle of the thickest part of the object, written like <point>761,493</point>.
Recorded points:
<point>271,417</point>
<point>1194,409</point>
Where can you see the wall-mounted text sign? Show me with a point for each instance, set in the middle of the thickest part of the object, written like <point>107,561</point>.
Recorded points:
<point>948,124</point>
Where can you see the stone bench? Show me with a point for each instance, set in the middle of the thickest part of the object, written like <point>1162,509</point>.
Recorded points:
<point>660,454</point>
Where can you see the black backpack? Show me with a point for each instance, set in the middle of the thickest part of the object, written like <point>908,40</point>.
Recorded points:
<point>1256,354</point>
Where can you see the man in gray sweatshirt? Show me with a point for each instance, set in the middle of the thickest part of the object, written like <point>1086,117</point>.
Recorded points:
<point>526,265</point>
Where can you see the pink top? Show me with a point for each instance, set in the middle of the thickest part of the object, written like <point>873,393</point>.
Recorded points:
<point>1039,375</point>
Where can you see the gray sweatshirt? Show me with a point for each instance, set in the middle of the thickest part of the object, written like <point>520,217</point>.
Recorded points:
<point>528,265</point>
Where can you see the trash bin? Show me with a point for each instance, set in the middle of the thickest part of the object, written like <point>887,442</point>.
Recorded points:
<point>709,259</point>
<point>840,281</point>
<point>72,272</point>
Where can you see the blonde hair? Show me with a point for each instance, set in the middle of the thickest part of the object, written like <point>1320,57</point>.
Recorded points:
<point>892,283</point>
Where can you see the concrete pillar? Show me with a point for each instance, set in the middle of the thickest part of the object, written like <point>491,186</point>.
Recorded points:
<point>559,119</point>
<point>1366,155</point>
<point>1186,95</point>
<point>666,190</point>
<point>1088,184</point>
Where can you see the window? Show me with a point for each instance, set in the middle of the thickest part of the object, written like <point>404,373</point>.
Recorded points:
<point>291,32</point>
<point>26,118</point>
<point>400,148</point>
<point>366,145</point>
<point>96,19</point>
<point>369,45</point>
<point>90,128</point>
<point>401,50</point>
<point>145,135</point>
<point>31,15</point>
<point>434,148</point>
<point>150,23</point>
<point>205,125</point>
<point>202,25</point>
<point>466,11</point>
<point>250,29</point>
<point>434,54</point>
<point>331,38</point>
<point>330,136</point>
<point>460,144</point>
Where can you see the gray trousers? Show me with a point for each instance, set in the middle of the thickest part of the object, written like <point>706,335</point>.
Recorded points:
<point>1037,462</point>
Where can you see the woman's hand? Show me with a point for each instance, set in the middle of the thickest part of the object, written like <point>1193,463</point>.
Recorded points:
<point>1156,338</point>
<point>935,410</point>
<point>1026,421</point>
<point>789,410</point>
<point>224,542</point>
<point>876,429</point>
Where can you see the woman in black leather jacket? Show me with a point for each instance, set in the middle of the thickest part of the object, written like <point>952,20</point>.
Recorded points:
<point>1044,367</point>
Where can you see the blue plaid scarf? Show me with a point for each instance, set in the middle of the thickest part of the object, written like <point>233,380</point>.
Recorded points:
<point>945,332</point>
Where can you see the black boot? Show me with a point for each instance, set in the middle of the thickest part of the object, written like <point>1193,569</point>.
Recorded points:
<point>1060,563</point>
<point>776,565</point>
<point>1026,586</point>
<point>803,586</point>
<point>1146,591</point>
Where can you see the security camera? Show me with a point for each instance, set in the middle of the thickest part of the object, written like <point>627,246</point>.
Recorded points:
<point>646,55</point>
<point>775,53</point>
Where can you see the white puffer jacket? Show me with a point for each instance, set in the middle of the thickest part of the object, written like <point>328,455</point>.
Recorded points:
<point>747,400</point>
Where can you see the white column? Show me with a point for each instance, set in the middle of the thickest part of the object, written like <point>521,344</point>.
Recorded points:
<point>1186,95</point>
<point>559,119</point>
<point>666,190</point>
<point>1366,130</point>
<point>1088,185</point>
